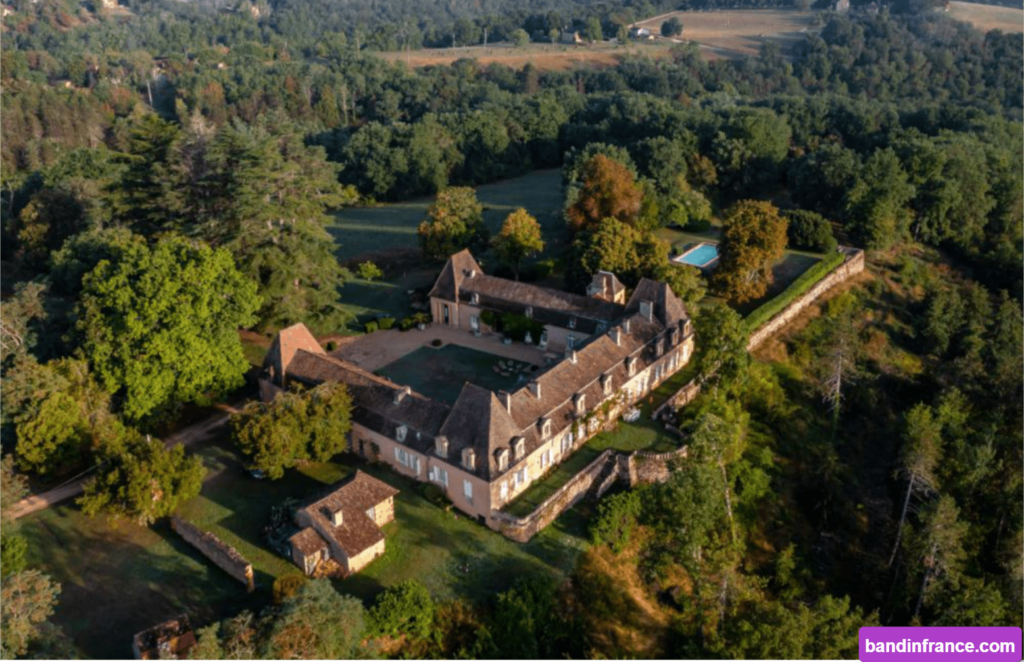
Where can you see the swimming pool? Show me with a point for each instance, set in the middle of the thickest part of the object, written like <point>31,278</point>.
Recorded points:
<point>701,255</point>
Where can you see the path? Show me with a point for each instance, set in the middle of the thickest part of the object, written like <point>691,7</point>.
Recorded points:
<point>186,436</point>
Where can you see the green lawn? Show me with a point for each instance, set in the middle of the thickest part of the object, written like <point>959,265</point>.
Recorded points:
<point>368,300</point>
<point>125,578</point>
<point>440,373</point>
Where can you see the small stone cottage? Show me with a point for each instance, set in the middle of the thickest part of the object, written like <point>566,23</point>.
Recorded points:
<point>344,525</point>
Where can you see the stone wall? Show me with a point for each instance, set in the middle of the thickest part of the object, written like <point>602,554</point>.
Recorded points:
<point>521,529</point>
<point>643,467</point>
<point>851,266</point>
<point>223,556</point>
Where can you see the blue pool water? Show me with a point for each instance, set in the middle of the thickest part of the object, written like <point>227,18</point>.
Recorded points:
<point>699,256</point>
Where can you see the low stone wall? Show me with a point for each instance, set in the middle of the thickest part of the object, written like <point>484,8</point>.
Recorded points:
<point>223,555</point>
<point>643,467</point>
<point>683,396</point>
<point>521,529</point>
<point>851,266</point>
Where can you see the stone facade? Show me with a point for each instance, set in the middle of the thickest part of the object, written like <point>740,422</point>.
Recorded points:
<point>224,556</point>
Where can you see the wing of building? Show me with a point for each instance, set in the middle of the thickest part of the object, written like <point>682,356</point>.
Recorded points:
<point>488,447</point>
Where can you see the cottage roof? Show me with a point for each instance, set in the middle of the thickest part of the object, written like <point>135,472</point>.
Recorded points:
<point>374,397</point>
<point>286,344</point>
<point>308,541</point>
<point>353,498</point>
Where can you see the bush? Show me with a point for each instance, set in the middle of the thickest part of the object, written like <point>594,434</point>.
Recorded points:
<point>287,586</point>
<point>436,342</point>
<point>405,608</point>
<point>700,225</point>
<point>810,231</point>
<point>406,323</point>
<point>369,271</point>
<point>371,327</point>
<point>515,326</point>
<point>433,494</point>
<point>617,518</point>
<point>331,346</point>
<point>489,318</point>
<point>421,318</point>
<point>806,281</point>
<point>386,323</point>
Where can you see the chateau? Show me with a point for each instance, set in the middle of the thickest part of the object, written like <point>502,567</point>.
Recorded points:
<point>488,447</point>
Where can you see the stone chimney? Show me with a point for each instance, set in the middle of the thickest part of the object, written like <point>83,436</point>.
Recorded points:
<point>336,518</point>
<point>647,310</point>
<point>570,354</point>
<point>401,393</point>
<point>625,325</point>
<point>506,399</point>
<point>535,388</point>
<point>616,334</point>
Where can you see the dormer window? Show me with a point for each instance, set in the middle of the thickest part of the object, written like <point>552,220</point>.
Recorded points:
<point>474,298</point>
<point>631,365</point>
<point>441,446</point>
<point>606,384</point>
<point>659,347</point>
<point>572,322</point>
<point>519,447</point>
<point>529,311</point>
<point>400,433</point>
<point>469,459</point>
<point>337,518</point>
<point>545,428</point>
<point>580,402</point>
<point>674,336</point>
<point>502,459</point>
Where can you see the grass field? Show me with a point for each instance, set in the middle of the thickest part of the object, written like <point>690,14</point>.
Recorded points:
<point>125,578</point>
<point>544,56</point>
<point>738,33</point>
<point>440,373</point>
<point>988,17</point>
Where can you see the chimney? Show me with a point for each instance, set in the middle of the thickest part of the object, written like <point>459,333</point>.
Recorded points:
<point>535,388</point>
<point>647,310</point>
<point>506,399</point>
<point>625,325</point>
<point>401,393</point>
<point>336,517</point>
<point>616,335</point>
<point>570,354</point>
<point>472,272</point>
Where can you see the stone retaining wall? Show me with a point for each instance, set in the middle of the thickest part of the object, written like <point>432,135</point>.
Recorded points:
<point>644,467</point>
<point>851,266</point>
<point>223,555</point>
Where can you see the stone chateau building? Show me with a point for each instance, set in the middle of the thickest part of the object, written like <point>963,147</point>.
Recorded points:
<point>489,447</point>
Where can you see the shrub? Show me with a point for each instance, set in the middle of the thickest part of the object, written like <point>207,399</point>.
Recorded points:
<point>433,494</point>
<point>331,346</point>
<point>406,323</point>
<point>436,342</point>
<point>405,608</point>
<point>371,327</point>
<point>489,318</point>
<point>546,267</point>
<point>806,281</point>
<point>287,586</point>
<point>386,323</point>
<point>697,225</point>
<point>617,518</point>
<point>369,271</point>
<point>515,326</point>
<point>421,318</point>
<point>810,231</point>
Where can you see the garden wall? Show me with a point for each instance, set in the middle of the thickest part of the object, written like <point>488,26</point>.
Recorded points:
<point>851,266</point>
<point>223,555</point>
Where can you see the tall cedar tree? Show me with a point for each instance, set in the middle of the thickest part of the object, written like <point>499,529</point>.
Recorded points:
<point>455,220</point>
<point>520,238</point>
<point>160,325</point>
<point>609,191</point>
<point>753,239</point>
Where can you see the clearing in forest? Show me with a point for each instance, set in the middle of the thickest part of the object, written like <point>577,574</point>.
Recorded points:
<point>988,17</point>
<point>739,32</point>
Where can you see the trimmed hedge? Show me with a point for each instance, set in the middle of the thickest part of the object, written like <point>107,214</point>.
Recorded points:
<point>371,327</point>
<point>386,323</point>
<point>797,288</point>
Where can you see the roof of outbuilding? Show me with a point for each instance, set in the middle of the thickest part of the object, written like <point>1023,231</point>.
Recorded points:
<point>308,541</point>
<point>353,498</point>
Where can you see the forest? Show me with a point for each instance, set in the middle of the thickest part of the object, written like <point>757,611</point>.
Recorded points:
<point>169,171</point>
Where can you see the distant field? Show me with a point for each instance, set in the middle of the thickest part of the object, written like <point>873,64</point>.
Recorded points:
<point>988,17</point>
<point>739,32</point>
<point>547,57</point>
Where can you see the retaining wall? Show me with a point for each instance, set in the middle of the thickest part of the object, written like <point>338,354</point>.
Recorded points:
<point>223,555</point>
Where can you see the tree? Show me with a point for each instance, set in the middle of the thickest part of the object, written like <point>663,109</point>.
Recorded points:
<point>876,206</point>
<point>454,221</point>
<point>519,37</point>
<point>592,29</point>
<point>296,426</point>
<point>673,27</point>
<point>722,359</point>
<point>369,271</point>
<point>753,239</point>
<point>13,487</point>
<point>207,644</point>
<point>919,459</point>
<point>28,599</point>
<point>810,231</point>
<point>617,518</point>
<point>520,238</point>
<point>938,547</point>
<point>609,190</point>
<point>839,349</point>
<point>137,198</point>
<point>405,608</point>
<point>318,623</point>
<point>160,325</point>
<point>143,482</point>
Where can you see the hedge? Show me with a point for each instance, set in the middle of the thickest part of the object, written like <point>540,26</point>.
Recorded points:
<point>797,288</point>
<point>386,323</point>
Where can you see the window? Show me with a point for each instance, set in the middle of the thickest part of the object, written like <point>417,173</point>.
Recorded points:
<point>545,428</point>
<point>474,298</point>
<point>572,322</point>
<point>520,447</point>
<point>439,475</point>
<point>371,512</point>
<point>474,322</point>
<point>581,403</point>
<point>467,490</point>
<point>503,459</point>
<point>545,459</point>
<point>400,433</point>
<point>520,477</point>
<point>567,443</point>
<point>529,311</point>
<point>446,313</point>
<point>408,460</point>
<point>570,341</point>
<point>504,490</point>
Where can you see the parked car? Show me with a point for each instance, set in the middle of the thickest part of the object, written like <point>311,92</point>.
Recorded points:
<point>256,473</point>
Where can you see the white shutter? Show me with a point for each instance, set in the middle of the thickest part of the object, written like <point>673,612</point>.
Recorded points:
<point>504,490</point>
<point>467,489</point>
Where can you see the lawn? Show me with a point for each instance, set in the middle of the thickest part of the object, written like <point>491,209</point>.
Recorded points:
<point>129,577</point>
<point>440,373</point>
<point>367,300</point>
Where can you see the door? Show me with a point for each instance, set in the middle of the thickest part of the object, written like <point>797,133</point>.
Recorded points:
<point>446,313</point>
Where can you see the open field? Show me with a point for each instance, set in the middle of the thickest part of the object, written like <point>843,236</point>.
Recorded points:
<point>988,17</point>
<point>546,57</point>
<point>739,32</point>
<point>129,577</point>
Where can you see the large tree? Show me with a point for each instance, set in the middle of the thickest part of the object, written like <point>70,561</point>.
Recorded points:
<point>753,239</point>
<point>454,221</point>
<point>160,325</point>
<point>296,426</point>
<point>520,237</point>
<point>143,481</point>
<point>877,205</point>
<point>27,600</point>
<point>609,190</point>
<point>318,623</point>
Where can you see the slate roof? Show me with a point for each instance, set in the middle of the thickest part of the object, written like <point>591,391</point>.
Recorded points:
<point>286,344</point>
<point>358,494</point>
<point>458,267</point>
<point>479,421</point>
<point>667,306</point>
<point>308,541</point>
